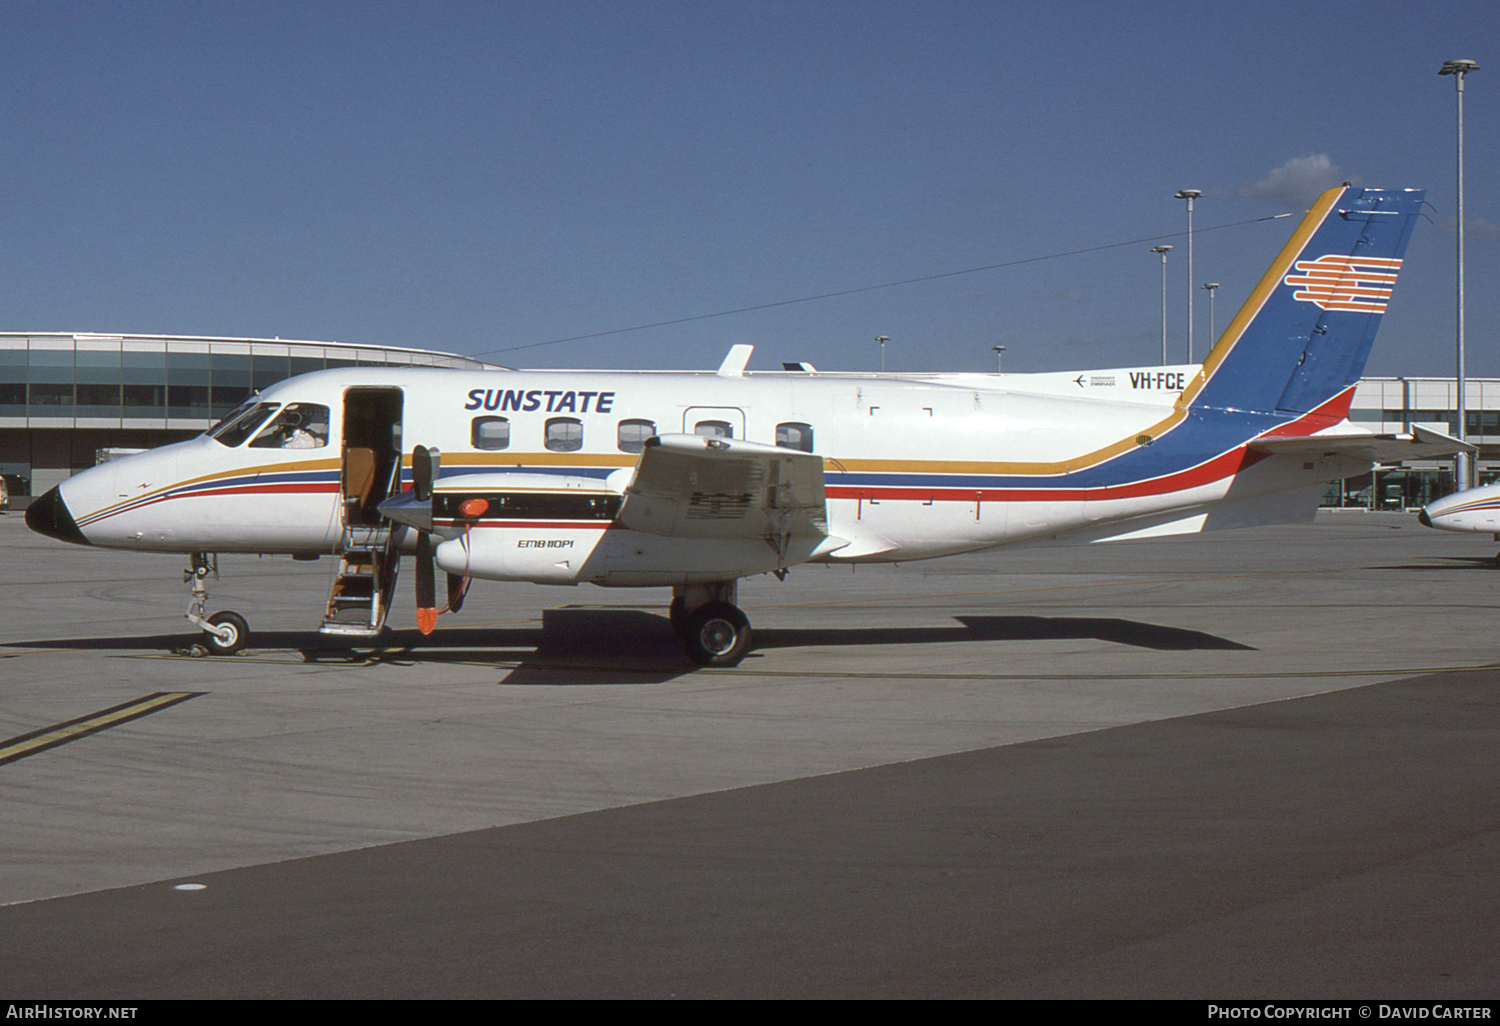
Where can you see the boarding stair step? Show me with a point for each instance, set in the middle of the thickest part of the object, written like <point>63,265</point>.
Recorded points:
<point>360,596</point>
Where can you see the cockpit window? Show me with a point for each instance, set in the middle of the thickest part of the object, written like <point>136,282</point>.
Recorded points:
<point>298,426</point>
<point>230,417</point>
<point>241,422</point>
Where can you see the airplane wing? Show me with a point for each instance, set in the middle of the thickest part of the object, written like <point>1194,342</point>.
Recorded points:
<point>1419,443</point>
<point>691,486</point>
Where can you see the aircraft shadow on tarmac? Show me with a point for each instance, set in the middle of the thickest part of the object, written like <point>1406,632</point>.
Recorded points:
<point>594,646</point>
<point>1490,563</point>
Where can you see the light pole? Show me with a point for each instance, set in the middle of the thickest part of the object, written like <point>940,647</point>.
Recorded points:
<point>1189,195</point>
<point>999,351</point>
<point>882,339</point>
<point>1163,250</point>
<point>1463,466</point>
<point>1211,287</point>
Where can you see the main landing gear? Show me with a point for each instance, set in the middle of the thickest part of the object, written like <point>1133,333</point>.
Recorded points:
<point>224,633</point>
<point>711,626</point>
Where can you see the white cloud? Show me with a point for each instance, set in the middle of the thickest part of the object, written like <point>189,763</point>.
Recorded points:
<point>1483,228</point>
<point>1299,180</point>
<point>1478,228</point>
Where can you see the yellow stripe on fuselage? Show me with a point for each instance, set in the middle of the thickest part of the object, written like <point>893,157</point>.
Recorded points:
<point>1055,467</point>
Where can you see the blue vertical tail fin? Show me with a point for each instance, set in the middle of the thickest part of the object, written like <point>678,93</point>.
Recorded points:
<point>1300,342</point>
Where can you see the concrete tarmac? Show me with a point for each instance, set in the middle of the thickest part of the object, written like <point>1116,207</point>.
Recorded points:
<point>1251,764</point>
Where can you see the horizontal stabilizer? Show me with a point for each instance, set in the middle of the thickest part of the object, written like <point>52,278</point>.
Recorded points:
<point>1419,443</point>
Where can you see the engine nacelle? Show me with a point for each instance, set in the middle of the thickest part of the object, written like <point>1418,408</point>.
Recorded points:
<point>546,555</point>
<point>553,529</point>
<point>612,556</point>
<point>695,510</point>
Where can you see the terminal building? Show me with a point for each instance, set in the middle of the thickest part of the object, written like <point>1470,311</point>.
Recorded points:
<point>1393,405</point>
<point>64,399</point>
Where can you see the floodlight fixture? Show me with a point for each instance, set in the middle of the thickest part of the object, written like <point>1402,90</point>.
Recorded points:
<point>1189,195</point>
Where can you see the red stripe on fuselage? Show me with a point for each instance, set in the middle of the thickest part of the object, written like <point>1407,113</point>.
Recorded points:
<point>1227,465</point>
<point>1334,411</point>
<point>561,525</point>
<point>265,489</point>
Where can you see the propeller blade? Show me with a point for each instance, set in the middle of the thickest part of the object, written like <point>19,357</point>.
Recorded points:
<point>426,586</point>
<point>457,589</point>
<point>425,466</point>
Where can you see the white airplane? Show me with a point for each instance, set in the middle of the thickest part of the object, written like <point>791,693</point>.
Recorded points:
<point>1474,509</point>
<point>695,480</point>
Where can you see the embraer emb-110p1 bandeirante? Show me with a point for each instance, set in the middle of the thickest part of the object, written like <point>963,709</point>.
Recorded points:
<point>695,480</point>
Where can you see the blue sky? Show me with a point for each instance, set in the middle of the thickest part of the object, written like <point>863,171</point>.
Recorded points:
<point>480,177</point>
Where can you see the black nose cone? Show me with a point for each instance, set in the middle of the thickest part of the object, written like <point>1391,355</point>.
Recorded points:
<point>49,515</point>
<point>1423,518</point>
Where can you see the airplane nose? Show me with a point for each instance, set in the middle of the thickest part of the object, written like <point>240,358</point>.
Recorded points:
<point>1423,518</point>
<point>49,515</point>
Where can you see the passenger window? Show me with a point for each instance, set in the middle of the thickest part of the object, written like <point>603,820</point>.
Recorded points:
<point>795,435</point>
<point>299,426</point>
<point>564,434</point>
<point>714,429</point>
<point>633,434</point>
<point>489,433</point>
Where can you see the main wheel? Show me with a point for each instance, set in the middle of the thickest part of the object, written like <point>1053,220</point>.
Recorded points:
<point>234,625</point>
<point>717,634</point>
<point>677,616</point>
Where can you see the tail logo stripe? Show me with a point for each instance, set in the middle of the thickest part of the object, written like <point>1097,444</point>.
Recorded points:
<point>1359,285</point>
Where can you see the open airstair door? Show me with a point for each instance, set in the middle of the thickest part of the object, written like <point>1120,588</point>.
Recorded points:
<point>372,452</point>
<point>370,472</point>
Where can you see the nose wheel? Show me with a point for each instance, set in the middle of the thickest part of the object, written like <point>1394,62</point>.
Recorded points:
<point>226,633</point>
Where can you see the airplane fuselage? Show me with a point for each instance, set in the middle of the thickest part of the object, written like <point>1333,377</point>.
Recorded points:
<point>914,467</point>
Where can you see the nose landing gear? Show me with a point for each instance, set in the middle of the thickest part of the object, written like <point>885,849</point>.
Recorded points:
<point>224,633</point>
